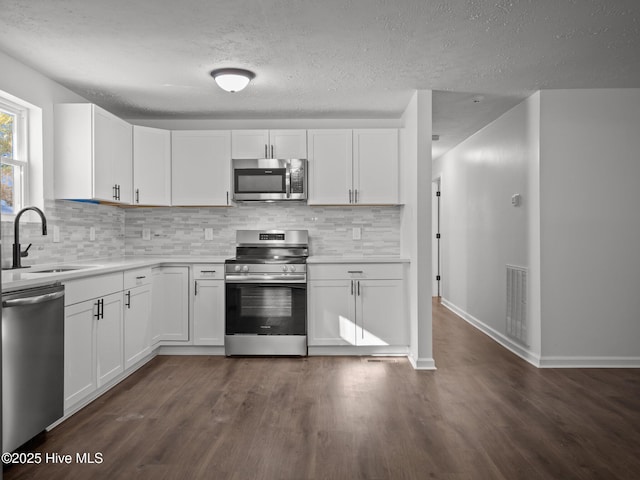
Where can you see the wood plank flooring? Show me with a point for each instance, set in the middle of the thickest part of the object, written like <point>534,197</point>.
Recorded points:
<point>484,414</point>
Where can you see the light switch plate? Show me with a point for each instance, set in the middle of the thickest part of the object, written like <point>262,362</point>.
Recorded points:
<point>208,233</point>
<point>146,234</point>
<point>357,233</point>
<point>92,234</point>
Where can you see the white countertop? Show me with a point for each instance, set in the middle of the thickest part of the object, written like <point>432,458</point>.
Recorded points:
<point>29,277</point>
<point>328,259</point>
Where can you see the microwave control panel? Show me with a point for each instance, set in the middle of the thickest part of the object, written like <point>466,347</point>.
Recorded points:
<point>297,180</point>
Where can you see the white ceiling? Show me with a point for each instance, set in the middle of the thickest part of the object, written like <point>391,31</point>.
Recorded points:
<point>325,58</point>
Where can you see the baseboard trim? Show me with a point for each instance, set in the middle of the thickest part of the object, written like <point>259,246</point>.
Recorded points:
<point>590,362</point>
<point>422,363</point>
<point>356,351</point>
<point>191,350</point>
<point>503,340</point>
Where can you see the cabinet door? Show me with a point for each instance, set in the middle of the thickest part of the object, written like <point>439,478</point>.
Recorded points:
<point>123,159</point>
<point>79,352</point>
<point>288,143</point>
<point>331,308</point>
<point>330,167</point>
<point>109,339</point>
<point>375,166</point>
<point>250,144</point>
<point>112,161</point>
<point>208,312</point>
<point>170,304</point>
<point>151,166</point>
<point>381,319</point>
<point>200,167</point>
<point>137,324</point>
<point>104,130</point>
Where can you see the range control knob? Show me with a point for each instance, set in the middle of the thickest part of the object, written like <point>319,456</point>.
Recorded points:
<point>236,268</point>
<point>284,268</point>
<point>292,268</point>
<point>245,269</point>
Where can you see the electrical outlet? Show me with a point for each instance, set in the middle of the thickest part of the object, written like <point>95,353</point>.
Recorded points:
<point>92,234</point>
<point>56,234</point>
<point>357,233</point>
<point>146,234</point>
<point>208,233</point>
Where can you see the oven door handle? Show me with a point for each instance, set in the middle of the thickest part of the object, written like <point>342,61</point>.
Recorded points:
<point>266,279</point>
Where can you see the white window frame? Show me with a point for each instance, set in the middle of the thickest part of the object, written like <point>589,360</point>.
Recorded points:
<point>21,151</point>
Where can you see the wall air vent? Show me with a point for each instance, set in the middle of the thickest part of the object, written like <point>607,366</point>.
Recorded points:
<point>517,304</point>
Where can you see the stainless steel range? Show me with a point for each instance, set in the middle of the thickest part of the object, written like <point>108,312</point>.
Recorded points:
<point>266,293</point>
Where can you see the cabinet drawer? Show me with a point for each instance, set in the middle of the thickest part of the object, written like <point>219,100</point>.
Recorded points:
<point>137,277</point>
<point>211,271</point>
<point>381,271</point>
<point>76,291</point>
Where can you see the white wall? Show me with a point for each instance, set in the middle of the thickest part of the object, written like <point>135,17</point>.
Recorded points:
<point>415,142</point>
<point>481,231</point>
<point>590,211</point>
<point>25,83</point>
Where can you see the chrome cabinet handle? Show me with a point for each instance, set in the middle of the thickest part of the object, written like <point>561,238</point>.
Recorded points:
<point>350,201</point>
<point>128,302</point>
<point>351,287</point>
<point>195,289</point>
<point>137,195</point>
<point>358,287</point>
<point>271,151</point>
<point>266,155</point>
<point>356,196</point>
<point>354,271</point>
<point>141,277</point>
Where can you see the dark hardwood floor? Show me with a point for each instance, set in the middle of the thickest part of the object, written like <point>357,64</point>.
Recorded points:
<point>484,414</point>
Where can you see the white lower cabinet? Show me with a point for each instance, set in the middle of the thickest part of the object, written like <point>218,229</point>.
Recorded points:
<point>93,352</point>
<point>357,305</point>
<point>137,316</point>
<point>208,304</point>
<point>170,304</point>
<point>110,362</point>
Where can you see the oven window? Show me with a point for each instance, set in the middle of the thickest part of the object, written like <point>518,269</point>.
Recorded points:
<point>266,309</point>
<point>257,181</point>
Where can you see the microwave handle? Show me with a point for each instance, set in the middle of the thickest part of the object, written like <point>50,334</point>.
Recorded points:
<point>288,182</point>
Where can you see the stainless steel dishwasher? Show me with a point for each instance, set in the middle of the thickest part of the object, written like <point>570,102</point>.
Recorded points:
<point>32,362</point>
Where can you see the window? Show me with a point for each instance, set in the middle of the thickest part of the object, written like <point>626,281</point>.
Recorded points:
<point>13,157</point>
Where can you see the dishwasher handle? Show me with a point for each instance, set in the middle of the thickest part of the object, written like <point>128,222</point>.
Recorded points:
<point>47,297</point>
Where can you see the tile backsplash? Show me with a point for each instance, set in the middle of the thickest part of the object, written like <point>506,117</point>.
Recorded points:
<point>74,219</point>
<point>180,231</point>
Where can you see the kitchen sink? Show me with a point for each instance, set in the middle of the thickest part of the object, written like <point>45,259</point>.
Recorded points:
<point>60,269</point>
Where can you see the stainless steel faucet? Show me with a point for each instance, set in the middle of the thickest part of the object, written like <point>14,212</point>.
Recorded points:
<point>17,251</point>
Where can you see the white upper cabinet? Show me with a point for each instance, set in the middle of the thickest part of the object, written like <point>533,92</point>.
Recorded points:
<point>330,167</point>
<point>151,166</point>
<point>268,144</point>
<point>375,166</point>
<point>92,154</point>
<point>200,167</point>
<point>351,167</point>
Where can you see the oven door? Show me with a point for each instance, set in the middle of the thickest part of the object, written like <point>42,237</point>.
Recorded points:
<point>266,309</point>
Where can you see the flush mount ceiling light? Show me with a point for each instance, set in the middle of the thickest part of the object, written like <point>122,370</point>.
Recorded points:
<point>232,79</point>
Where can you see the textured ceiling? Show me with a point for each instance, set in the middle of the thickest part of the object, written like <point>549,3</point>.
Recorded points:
<point>325,59</point>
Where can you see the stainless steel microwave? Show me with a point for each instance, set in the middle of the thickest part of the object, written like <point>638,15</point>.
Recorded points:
<point>269,180</point>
